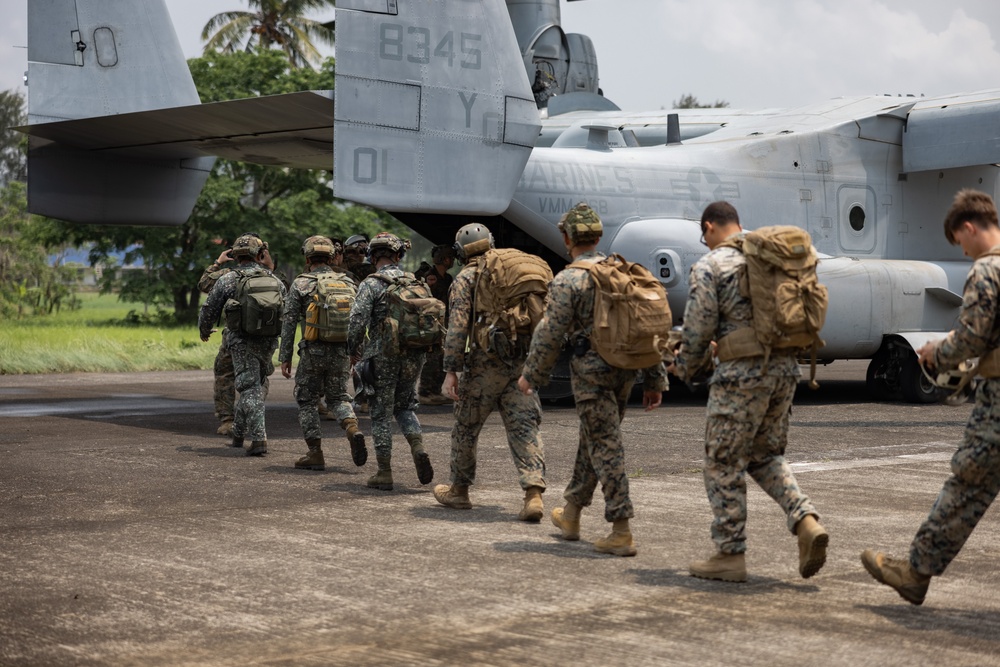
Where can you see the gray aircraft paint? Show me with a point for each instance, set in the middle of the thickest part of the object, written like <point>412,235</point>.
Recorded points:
<point>434,113</point>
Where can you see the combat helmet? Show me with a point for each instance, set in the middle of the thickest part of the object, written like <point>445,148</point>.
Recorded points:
<point>315,246</point>
<point>581,224</point>
<point>471,240</point>
<point>386,244</point>
<point>248,245</point>
<point>357,243</point>
<point>440,253</point>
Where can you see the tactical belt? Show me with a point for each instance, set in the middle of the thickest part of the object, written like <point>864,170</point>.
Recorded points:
<point>739,344</point>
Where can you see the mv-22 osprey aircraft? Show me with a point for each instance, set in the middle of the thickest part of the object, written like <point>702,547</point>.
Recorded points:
<point>451,110</point>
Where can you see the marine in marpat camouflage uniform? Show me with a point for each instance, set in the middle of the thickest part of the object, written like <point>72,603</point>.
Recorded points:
<point>488,383</point>
<point>251,354</point>
<point>224,393</point>
<point>601,391</point>
<point>439,280</point>
<point>324,368</point>
<point>749,403</point>
<point>395,375</point>
<point>975,467</point>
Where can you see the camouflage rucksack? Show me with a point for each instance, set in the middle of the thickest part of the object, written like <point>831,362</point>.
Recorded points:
<point>510,294</point>
<point>416,319</point>
<point>328,313</point>
<point>789,304</point>
<point>632,317</point>
<point>256,309</point>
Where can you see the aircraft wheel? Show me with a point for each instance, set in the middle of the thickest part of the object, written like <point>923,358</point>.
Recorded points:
<point>877,379</point>
<point>915,385</point>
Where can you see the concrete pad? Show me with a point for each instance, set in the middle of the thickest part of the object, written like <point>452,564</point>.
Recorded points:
<point>132,535</point>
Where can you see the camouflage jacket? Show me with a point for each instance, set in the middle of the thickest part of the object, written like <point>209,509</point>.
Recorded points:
<point>224,290</point>
<point>300,293</point>
<point>569,312</point>
<point>460,305</point>
<point>211,276</point>
<point>716,308</point>
<point>978,328</point>
<point>367,331</point>
<point>360,270</point>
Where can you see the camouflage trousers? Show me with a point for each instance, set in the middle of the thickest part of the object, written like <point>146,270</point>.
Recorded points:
<point>432,374</point>
<point>600,456</point>
<point>252,363</point>
<point>395,396</point>
<point>323,370</point>
<point>490,384</point>
<point>747,432</point>
<point>225,384</point>
<point>967,494</point>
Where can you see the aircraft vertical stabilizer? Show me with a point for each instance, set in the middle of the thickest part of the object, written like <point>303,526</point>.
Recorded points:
<point>89,58</point>
<point>433,110</point>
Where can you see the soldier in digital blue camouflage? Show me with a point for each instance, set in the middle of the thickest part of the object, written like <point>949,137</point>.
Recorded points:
<point>749,403</point>
<point>439,280</point>
<point>601,391</point>
<point>224,390</point>
<point>971,222</point>
<point>370,339</point>
<point>488,383</point>
<point>252,355</point>
<point>324,368</point>
<point>356,262</point>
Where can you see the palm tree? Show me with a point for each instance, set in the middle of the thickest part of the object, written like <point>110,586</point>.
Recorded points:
<point>271,23</point>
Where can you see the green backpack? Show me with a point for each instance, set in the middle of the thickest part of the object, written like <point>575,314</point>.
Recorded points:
<point>329,312</point>
<point>256,309</point>
<point>416,319</point>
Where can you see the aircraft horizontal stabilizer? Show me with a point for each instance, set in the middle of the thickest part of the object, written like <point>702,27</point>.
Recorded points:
<point>433,112</point>
<point>960,132</point>
<point>293,130</point>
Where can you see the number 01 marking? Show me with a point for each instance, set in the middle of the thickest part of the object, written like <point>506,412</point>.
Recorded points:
<point>367,167</point>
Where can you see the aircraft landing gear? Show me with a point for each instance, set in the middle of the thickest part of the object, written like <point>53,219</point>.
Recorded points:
<point>894,374</point>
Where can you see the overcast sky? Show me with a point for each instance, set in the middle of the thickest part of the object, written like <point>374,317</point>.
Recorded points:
<point>752,53</point>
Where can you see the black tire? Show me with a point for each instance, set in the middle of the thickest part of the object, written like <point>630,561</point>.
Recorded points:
<point>916,387</point>
<point>878,388</point>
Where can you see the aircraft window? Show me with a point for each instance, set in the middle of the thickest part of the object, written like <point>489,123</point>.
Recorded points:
<point>857,218</point>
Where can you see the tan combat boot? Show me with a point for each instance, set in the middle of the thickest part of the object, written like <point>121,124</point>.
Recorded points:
<point>618,542</point>
<point>896,573</point>
<point>257,448</point>
<point>237,441</point>
<point>314,459</point>
<point>533,509</point>
<point>721,567</point>
<point>225,428</point>
<point>813,539</point>
<point>382,480</point>
<point>425,473</point>
<point>455,496</point>
<point>325,412</point>
<point>567,519</point>
<point>359,454</point>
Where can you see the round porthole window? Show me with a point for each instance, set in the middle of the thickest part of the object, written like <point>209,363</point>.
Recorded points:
<point>857,218</point>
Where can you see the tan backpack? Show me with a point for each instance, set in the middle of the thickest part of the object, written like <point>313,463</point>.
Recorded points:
<point>509,295</point>
<point>789,303</point>
<point>328,313</point>
<point>632,317</point>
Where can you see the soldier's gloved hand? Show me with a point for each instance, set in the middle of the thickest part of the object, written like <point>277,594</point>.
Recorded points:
<point>286,369</point>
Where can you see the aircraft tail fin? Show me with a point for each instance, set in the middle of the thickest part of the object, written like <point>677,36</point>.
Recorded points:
<point>433,109</point>
<point>90,58</point>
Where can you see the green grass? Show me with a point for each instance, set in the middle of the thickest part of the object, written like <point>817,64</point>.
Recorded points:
<point>93,339</point>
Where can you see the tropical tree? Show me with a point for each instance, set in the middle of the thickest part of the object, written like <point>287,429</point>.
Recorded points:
<point>689,101</point>
<point>269,24</point>
<point>283,205</point>
<point>13,144</point>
